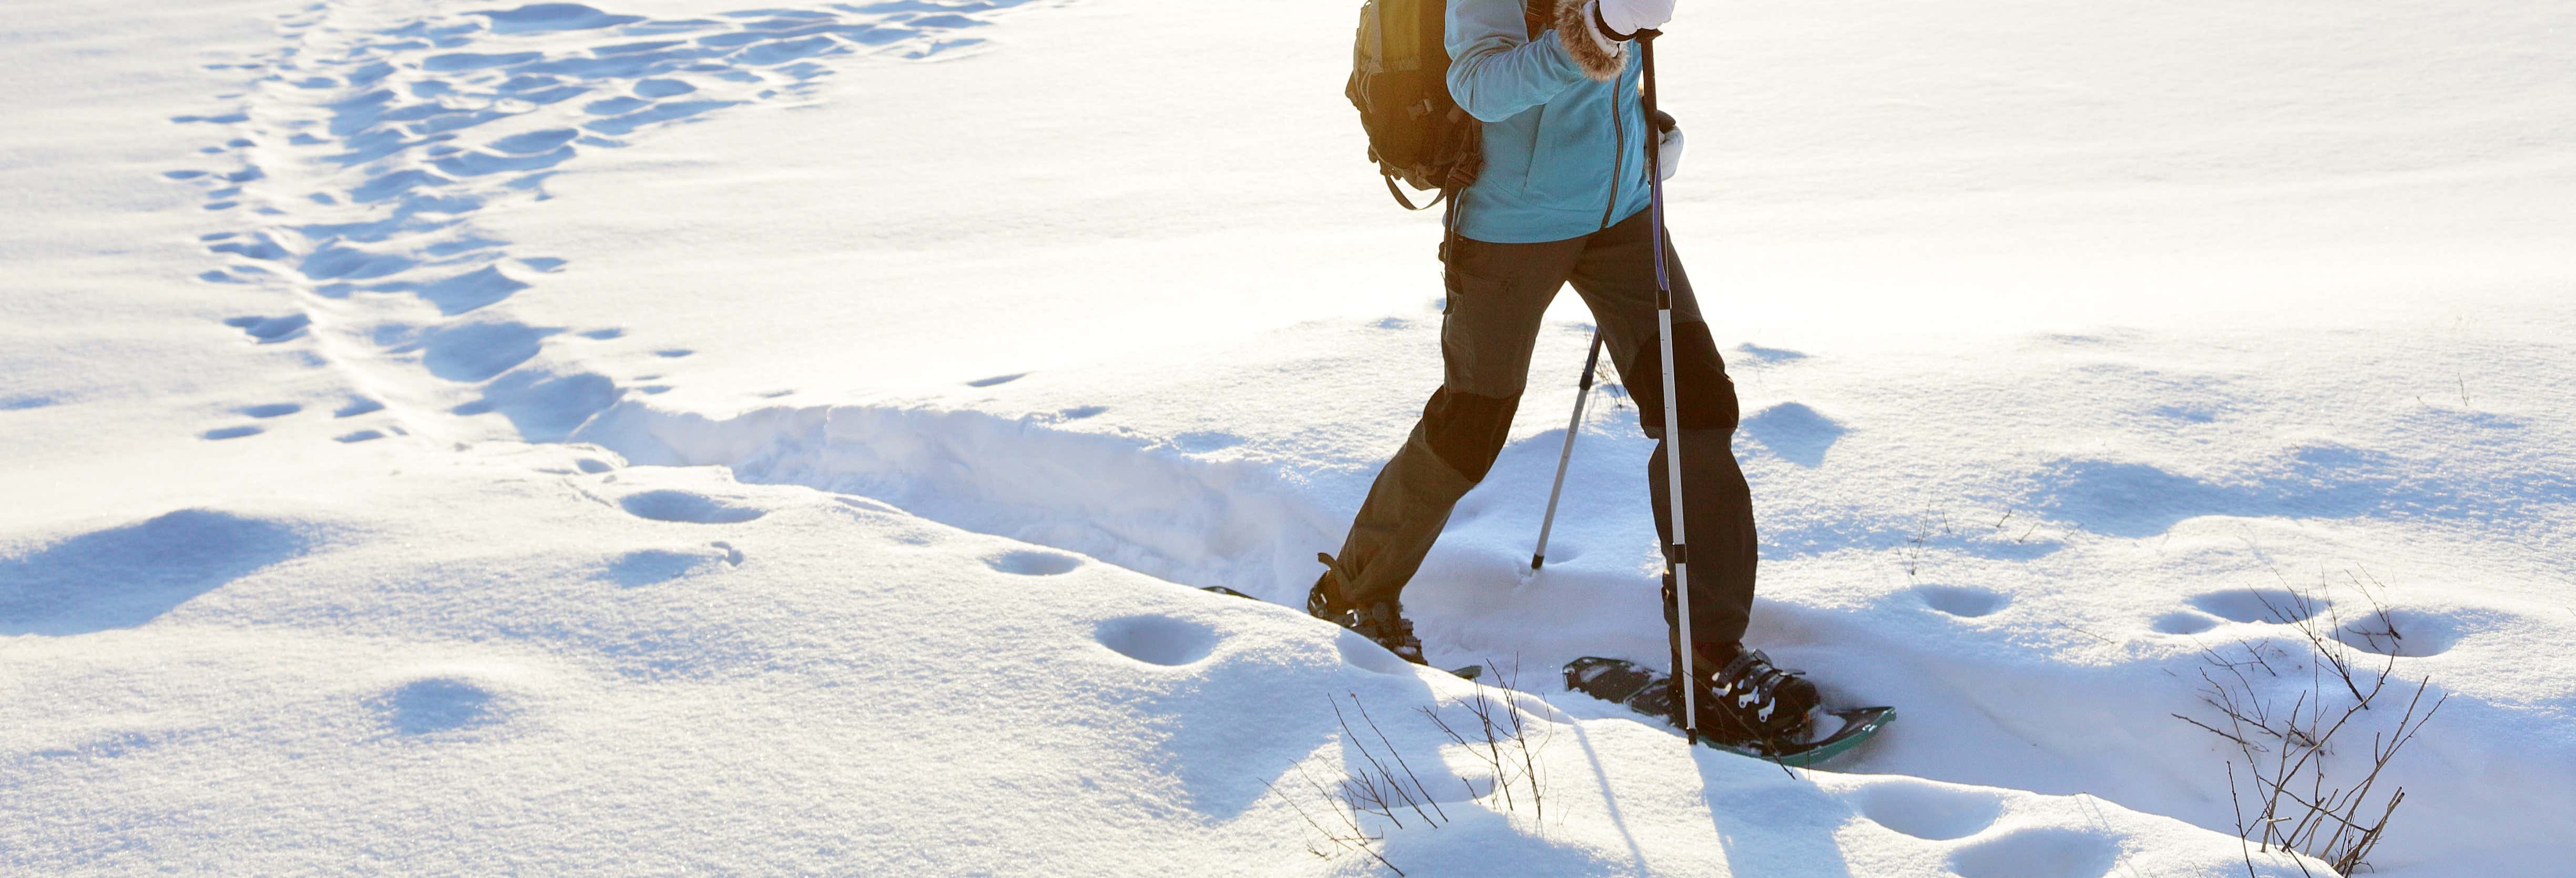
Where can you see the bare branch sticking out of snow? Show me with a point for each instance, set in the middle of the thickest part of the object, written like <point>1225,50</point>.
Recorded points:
<point>1381,784</point>
<point>1373,790</point>
<point>1503,743</point>
<point>2306,799</point>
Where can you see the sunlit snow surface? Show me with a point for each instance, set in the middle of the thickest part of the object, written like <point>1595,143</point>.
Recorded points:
<point>463,438</point>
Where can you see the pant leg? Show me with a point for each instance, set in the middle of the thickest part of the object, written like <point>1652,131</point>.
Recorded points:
<point>1497,295</point>
<point>1616,277</point>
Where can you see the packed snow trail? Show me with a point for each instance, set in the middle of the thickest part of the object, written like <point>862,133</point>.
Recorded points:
<point>365,150</point>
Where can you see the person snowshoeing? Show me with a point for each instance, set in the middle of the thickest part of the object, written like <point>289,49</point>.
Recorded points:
<point>1563,198</point>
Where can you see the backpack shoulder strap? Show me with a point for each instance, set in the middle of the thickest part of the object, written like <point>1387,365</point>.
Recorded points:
<point>1398,192</point>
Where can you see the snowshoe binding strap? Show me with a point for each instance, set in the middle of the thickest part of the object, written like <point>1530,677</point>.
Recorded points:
<point>1749,690</point>
<point>1382,622</point>
<point>1385,623</point>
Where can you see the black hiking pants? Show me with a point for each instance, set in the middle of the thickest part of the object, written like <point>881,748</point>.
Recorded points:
<point>1497,295</point>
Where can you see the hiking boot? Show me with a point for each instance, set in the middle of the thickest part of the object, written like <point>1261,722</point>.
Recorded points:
<point>1382,622</point>
<point>1744,699</point>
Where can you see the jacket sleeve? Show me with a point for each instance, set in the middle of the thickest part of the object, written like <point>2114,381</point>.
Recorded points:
<point>1495,70</point>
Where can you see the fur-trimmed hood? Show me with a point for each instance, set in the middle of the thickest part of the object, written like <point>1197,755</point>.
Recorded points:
<point>1582,40</point>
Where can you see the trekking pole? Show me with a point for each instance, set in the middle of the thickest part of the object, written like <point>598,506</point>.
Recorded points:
<point>1582,392</point>
<point>1677,557</point>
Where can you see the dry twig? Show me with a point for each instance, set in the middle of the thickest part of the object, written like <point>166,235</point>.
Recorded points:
<point>2302,805</point>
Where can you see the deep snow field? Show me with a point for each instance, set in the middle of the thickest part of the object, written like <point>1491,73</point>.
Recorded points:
<point>689,437</point>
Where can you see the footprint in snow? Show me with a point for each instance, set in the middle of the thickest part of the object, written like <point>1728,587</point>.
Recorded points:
<point>438,704</point>
<point>271,330</point>
<point>222,433</point>
<point>476,351</point>
<point>683,506</point>
<point>2183,622</point>
<point>2401,633</point>
<point>1928,811</point>
<point>1028,562</point>
<point>542,17</point>
<point>271,410</point>
<point>655,566</point>
<point>662,88</point>
<point>1157,640</point>
<point>1959,600</point>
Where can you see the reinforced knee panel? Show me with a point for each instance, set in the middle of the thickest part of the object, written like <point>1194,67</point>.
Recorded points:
<point>1707,395</point>
<point>1467,430</point>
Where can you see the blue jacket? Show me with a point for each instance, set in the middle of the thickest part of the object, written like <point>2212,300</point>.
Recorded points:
<point>1556,165</point>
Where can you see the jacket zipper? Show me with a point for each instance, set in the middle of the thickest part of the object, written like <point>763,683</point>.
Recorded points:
<point>1618,156</point>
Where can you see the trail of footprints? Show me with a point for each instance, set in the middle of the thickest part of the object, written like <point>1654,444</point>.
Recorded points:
<point>2395,631</point>
<point>1966,819</point>
<point>1161,641</point>
<point>355,161</point>
<point>2390,631</point>
<point>1934,812</point>
<point>1969,822</point>
<point>271,411</point>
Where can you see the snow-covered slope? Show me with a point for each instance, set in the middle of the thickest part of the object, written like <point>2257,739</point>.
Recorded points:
<point>685,437</point>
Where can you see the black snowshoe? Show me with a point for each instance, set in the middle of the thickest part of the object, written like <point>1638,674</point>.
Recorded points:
<point>1732,702</point>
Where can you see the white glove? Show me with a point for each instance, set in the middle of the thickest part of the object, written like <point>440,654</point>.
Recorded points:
<point>1626,17</point>
<point>1668,153</point>
<point>1591,13</point>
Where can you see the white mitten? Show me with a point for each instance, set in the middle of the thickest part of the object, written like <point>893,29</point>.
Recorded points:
<point>1668,153</point>
<point>1626,17</point>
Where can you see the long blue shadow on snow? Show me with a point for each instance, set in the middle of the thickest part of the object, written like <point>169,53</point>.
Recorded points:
<point>1772,821</point>
<point>2140,500</point>
<point>125,576</point>
<point>1797,433</point>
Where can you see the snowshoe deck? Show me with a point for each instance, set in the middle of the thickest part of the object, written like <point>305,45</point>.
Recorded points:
<point>1643,690</point>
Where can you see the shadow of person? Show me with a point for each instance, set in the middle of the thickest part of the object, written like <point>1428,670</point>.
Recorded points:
<point>1772,820</point>
<point>1610,799</point>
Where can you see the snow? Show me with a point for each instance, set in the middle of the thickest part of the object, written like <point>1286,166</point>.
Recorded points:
<point>673,436</point>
